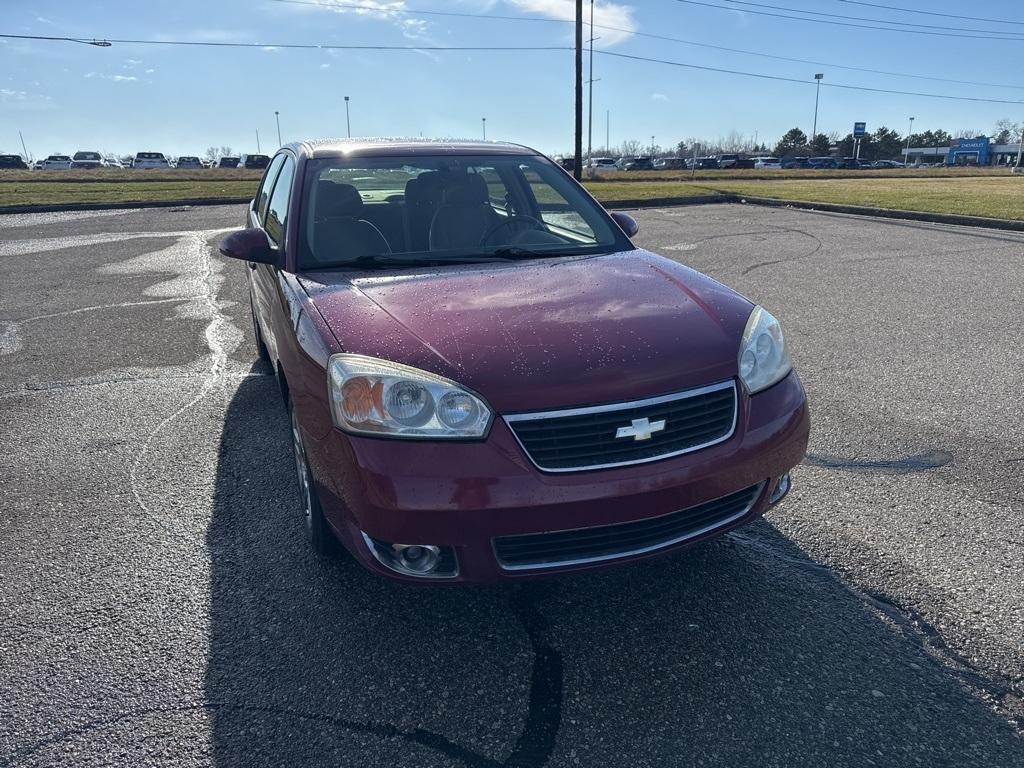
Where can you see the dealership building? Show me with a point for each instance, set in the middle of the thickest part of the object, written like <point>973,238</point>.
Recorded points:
<point>977,151</point>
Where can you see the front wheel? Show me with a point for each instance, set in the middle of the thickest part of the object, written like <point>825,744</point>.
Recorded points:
<point>317,529</point>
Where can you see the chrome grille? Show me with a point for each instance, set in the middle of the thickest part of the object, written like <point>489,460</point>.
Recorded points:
<point>588,438</point>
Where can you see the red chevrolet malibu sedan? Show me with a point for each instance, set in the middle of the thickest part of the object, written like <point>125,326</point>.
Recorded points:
<point>487,380</point>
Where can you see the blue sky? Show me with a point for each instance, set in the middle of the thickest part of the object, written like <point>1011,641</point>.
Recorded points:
<point>180,100</point>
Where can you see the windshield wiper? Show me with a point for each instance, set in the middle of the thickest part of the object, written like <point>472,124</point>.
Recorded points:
<point>516,252</point>
<point>383,259</point>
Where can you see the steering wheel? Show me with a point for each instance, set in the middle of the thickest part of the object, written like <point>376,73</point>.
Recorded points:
<point>514,224</point>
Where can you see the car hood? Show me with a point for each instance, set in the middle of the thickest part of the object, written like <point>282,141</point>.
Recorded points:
<point>543,334</point>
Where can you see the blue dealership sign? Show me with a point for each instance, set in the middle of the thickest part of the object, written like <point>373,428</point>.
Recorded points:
<point>859,129</point>
<point>974,150</point>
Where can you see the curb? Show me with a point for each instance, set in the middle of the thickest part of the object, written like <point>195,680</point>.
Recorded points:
<point>853,210</point>
<point>68,207</point>
<point>665,202</point>
<point>652,202</point>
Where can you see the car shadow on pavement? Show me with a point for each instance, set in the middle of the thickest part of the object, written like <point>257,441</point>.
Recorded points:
<point>725,654</point>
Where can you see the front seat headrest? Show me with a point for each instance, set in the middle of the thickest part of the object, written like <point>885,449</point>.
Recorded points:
<point>470,189</point>
<point>337,200</point>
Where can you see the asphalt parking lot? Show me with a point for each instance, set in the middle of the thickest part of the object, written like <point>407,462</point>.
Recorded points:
<point>160,606</point>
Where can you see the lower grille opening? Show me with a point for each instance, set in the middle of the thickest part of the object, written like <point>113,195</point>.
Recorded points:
<point>607,542</point>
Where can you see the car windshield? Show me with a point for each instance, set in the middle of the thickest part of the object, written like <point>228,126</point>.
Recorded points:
<point>87,155</point>
<point>149,156</point>
<point>435,208</point>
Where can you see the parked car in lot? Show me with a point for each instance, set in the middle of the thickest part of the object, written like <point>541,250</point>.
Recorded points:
<point>887,164</point>
<point>91,160</point>
<point>853,164</point>
<point>56,163</point>
<point>702,162</point>
<point>228,161</point>
<point>13,163</point>
<point>734,160</point>
<point>669,163</point>
<point>110,161</point>
<point>789,163</point>
<point>150,160</point>
<point>188,161</point>
<point>636,163</point>
<point>767,163</point>
<point>822,163</point>
<point>439,317</point>
<point>569,163</point>
<point>254,162</point>
<point>605,163</point>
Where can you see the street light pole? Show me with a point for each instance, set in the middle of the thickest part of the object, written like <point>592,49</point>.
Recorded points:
<point>590,86</point>
<point>1020,145</point>
<point>906,152</point>
<point>258,150</point>
<point>277,119</point>
<point>348,123</point>
<point>652,146</point>
<point>817,90</point>
<point>483,120</point>
<point>608,131</point>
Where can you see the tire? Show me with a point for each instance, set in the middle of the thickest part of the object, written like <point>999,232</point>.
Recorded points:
<point>261,348</point>
<point>318,531</point>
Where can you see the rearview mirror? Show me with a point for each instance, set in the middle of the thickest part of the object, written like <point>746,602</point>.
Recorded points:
<point>626,222</point>
<point>249,245</point>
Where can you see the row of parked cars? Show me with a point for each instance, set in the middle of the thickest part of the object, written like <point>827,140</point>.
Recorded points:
<point>728,160</point>
<point>142,160</point>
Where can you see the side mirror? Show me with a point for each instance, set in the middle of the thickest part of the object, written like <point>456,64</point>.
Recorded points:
<point>626,222</point>
<point>249,245</point>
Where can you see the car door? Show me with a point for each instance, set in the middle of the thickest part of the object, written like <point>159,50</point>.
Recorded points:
<point>272,217</point>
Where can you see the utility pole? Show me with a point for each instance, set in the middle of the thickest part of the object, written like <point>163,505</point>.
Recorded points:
<point>590,83</point>
<point>608,131</point>
<point>278,120</point>
<point>906,153</point>
<point>28,159</point>
<point>817,90</point>
<point>1020,146</point>
<point>258,141</point>
<point>652,147</point>
<point>578,148</point>
<point>348,123</point>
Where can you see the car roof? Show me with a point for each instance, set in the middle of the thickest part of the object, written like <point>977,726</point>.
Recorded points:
<point>403,146</point>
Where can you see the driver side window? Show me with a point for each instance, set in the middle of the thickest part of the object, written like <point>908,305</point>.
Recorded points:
<point>555,211</point>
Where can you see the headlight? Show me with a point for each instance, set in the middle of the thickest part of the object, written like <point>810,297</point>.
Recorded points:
<point>377,397</point>
<point>763,359</point>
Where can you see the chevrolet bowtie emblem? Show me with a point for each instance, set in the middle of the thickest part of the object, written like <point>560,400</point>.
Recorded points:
<point>640,429</point>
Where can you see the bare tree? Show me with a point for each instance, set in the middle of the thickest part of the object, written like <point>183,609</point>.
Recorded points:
<point>227,152</point>
<point>631,148</point>
<point>212,154</point>
<point>965,133</point>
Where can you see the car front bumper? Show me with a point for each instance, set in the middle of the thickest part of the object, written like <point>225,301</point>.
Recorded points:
<point>464,495</point>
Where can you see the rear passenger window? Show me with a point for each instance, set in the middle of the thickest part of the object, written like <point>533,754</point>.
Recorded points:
<point>277,210</point>
<point>263,196</point>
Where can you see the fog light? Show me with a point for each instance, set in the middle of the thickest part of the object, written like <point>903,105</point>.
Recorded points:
<point>781,489</point>
<point>421,558</point>
<point>427,561</point>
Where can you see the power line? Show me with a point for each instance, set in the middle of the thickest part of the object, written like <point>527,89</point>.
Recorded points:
<point>855,26</point>
<point>808,82</point>
<point>863,18</point>
<point>932,13</point>
<point>648,35</point>
<point>106,42</point>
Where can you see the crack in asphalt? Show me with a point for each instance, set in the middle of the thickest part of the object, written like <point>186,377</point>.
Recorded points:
<point>919,462</point>
<point>1009,693</point>
<point>532,749</point>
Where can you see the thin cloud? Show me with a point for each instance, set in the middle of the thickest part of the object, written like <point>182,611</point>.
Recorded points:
<point>659,97</point>
<point>325,66</point>
<point>605,14</point>
<point>112,78</point>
